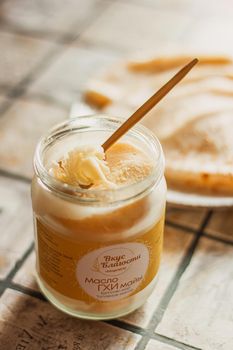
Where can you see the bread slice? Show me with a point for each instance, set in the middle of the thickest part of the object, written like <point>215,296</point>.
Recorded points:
<point>194,122</point>
<point>199,155</point>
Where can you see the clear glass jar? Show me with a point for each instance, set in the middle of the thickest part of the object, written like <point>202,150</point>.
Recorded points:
<point>98,251</point>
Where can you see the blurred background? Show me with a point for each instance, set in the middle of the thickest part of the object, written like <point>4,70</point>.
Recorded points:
<point>49,49</point>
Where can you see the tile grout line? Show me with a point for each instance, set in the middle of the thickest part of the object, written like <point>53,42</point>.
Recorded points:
<point>102,46</point>
<point>5,106</point>
<point>4,284</point>
<point>118,48</point>
<point>48,36</point>
<point>159,312</point>
<point>126,326</point>
<point>20,262</point>
<point>173,342</point>
<point>181,269</point>
<point>55,36</point>
<point>217,238</point>
<point>205,234</point>
<point>13,176</point>
<point>145,333</point>
<point>115,322</point>
<point>21,87</point>
<point>2,1</point>
<point>40,97</point>
<point>26,291</point>
<point>181,227</point>
<point>149,6</point>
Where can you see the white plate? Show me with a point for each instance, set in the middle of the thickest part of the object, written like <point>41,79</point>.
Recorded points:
<point>186,199</point>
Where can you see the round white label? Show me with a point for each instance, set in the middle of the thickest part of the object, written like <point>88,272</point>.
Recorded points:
<point>113,272</point>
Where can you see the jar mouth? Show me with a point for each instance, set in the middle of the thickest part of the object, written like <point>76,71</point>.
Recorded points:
<point>98,123</point>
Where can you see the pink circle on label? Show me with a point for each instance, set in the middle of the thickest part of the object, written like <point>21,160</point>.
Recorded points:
<point>113,272</point>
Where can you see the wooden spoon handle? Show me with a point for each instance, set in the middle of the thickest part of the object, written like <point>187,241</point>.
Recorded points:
<point>148,105</point>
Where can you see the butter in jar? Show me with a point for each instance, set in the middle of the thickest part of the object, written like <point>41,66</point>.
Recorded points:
<point>98,217</point>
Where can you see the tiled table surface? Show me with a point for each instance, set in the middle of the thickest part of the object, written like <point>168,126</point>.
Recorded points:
<point>48,51</point>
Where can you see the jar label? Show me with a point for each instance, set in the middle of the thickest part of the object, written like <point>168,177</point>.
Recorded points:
<point>97,271</point>
<point>113,272</point>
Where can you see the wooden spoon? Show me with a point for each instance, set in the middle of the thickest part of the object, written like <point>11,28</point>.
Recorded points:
<point>148,105</point>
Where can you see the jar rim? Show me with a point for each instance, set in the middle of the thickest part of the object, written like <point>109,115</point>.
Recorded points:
<point>76,193</point>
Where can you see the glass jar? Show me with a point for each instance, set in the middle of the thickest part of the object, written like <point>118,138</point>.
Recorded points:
<point>97,251</point>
